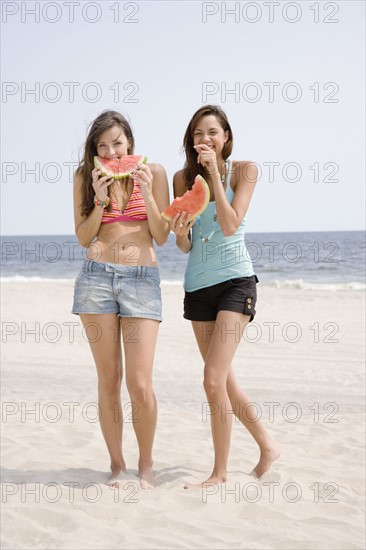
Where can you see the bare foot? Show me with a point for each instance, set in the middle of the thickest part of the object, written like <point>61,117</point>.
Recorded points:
<point>268,456</point>
<point>146,478</point>
<point>117,478</point>
<point>213,480</point>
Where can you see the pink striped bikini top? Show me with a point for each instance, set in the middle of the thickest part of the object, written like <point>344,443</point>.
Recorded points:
<point>135,209</point>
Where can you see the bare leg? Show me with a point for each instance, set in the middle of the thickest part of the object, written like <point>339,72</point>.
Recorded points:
<point>247,413</point>
<point>240,403</point>
<point>103,333</point>
<point>219,354</point>
<point>139,337</point>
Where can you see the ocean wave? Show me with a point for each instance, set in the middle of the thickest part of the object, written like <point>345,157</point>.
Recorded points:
<point>300,284</point>
<point>296,284</point>
<point>22,279</point>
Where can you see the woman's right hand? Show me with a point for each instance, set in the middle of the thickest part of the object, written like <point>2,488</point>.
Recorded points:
<point>100,184</point>
<point>180,225</point>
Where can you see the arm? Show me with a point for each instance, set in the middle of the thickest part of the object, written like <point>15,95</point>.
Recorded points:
<point>178,223</point>
<point>231,215</point>
<point>155,190</point>
<point>87,228</point>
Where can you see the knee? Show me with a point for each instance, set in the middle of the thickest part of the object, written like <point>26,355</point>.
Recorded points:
<point>141,392</point>
<point>110,382</point>
<point>211,386</point>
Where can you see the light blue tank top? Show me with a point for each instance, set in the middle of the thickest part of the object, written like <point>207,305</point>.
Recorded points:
<point>221,258</point>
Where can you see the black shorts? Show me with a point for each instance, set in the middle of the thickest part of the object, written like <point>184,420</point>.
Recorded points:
<point>238,295</point>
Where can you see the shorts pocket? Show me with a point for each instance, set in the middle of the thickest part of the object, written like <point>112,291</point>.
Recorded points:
<point>155,283</point>
<point>81,289</point>
<point>245,282</point>
<point>238,280</point>
<point>148,293</point>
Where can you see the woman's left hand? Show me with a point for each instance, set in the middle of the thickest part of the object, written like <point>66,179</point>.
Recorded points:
<point>144,176</point>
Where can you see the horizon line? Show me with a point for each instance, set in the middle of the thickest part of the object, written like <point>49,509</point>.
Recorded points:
<point>247,233</point>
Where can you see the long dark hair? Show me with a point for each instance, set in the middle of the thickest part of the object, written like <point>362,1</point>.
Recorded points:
<point>191,168</point>
<point>105,121</point>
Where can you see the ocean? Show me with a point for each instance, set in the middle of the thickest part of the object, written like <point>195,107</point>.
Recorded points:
<point>332,260</point>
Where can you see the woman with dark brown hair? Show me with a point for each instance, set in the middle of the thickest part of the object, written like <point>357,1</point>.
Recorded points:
<point>219,282</point>
<point>117,291</point>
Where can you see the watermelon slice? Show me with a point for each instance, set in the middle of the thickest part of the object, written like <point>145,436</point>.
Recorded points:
<point>193,202</point>
<point>119,168</point>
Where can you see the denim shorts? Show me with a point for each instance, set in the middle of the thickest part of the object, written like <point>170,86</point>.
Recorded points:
<point>128,291</point>
<point>238,295</point>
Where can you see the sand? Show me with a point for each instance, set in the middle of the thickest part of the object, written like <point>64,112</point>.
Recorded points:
<point>301,362</point>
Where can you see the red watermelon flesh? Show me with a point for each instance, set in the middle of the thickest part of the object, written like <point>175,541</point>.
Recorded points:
<point>119,168</point>
<point>193,202</point>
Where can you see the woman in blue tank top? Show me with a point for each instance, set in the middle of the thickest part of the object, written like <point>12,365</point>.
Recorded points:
<point>219,282</point>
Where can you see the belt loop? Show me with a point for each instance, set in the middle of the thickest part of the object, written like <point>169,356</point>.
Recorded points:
<point>90,266</point>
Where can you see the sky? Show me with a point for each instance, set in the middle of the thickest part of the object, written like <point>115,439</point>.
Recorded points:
<point>290,76</point>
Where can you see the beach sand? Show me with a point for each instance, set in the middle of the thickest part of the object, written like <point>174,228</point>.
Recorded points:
<point>301,362</point>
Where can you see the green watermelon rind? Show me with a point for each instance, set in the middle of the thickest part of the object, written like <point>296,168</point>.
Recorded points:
<point>199,180</point>
<point>121,175</point>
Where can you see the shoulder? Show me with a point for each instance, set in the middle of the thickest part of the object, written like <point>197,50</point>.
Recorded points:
<point>179,185</point>
<point>179,174</point>
<point>244,170</point>
<point>156,169</point>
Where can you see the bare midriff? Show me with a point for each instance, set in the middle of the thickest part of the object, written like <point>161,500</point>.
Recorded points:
<point>126,243</point>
